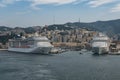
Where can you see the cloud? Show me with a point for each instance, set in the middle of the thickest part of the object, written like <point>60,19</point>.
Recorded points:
<point>8,1</point>
<point>96,3</point>
<point>4,3</point>
<point>80,1</point>
<point>116,8</point>
<point>35,3</point>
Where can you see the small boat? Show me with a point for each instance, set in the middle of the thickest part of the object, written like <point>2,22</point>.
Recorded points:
<point>83,50</point>
<point>80,53</point>
<point>57,50</point>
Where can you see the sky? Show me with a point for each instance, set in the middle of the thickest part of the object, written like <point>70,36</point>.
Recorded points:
<point>25,13</point>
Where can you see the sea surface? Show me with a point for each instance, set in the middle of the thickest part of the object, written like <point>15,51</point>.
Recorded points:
<point>66,66</point>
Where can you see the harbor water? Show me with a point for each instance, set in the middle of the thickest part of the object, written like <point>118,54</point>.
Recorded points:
<point>66,66</point>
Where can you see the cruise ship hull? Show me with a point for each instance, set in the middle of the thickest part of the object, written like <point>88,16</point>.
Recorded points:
<point>100,50</point>
<point>41,50</point>
<point>35,44</point>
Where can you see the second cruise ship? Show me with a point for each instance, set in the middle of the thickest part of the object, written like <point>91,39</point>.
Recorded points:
<point>100,44</point>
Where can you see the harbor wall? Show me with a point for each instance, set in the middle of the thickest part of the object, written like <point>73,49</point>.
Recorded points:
<point>74,45</point>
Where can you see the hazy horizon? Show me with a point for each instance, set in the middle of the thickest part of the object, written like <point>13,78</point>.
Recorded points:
<point>26,13</point>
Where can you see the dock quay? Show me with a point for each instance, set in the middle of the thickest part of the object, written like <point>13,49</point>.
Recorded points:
<point>3,49</point>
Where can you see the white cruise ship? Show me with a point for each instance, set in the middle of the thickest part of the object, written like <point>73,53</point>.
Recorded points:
<point>100,44</point>
<point>35,44</point>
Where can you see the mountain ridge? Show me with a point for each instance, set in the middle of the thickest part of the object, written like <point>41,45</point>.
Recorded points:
<point>109,26</point>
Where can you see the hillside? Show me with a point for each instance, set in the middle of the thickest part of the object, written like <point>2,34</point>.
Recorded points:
<point>111,26</point>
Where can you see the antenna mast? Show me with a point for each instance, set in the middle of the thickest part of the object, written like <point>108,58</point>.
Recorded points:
<point>54,20</point>
<point>79,20</point>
